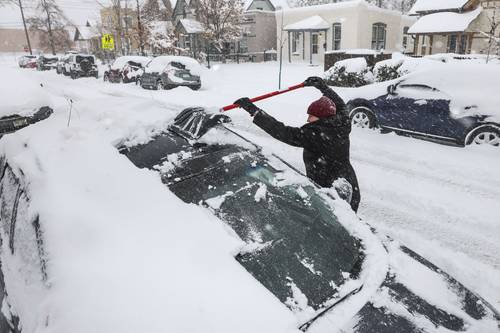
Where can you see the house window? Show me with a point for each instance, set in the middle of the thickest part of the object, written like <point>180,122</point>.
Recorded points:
<point>462,47</point>
<point>452,43</point>
<point>405,37</point>
<point>315,43</point>
<point>378,36</point>
<point>295,41</point>
<point>337,35</point>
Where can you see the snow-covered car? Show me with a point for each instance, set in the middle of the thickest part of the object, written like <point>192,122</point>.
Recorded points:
<point>126,69</point>
<point>80,65</point>
<point>451,103</point>
<point>27,104</point>
<point>45,63</point>
<point>167,72</point>
<point>27,61</point>
<point>298,259</point>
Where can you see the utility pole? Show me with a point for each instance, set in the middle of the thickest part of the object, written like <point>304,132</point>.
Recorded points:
<point>139,27</point>
<point>49,27</point>
<point>25,29</point>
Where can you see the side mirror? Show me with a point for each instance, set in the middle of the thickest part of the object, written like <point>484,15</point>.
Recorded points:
<point>391,90</point>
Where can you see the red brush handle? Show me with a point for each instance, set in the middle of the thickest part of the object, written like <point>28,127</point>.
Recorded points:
<point>260,98</point>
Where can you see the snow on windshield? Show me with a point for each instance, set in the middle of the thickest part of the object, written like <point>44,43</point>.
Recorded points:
<point>122,61</point>
<point>25,95</point>
<point>159,64</point>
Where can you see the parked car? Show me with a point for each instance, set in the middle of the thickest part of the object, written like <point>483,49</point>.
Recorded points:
<point>126,69</point>
<point>80,65</point>
<point>28,61</point>
<point>45,63</point>
<point>326,268</point>
<point>455,104</point>
<point>167,72</point>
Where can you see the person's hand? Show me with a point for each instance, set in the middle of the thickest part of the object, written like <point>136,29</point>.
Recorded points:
<point>247,105</point>
<point>316,82</point>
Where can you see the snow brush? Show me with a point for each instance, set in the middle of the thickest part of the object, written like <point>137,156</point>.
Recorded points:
<point>266,96</point>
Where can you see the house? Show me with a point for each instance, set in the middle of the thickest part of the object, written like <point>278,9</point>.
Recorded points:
<point>453,26</point>
<point>86,38</point>
<point>121,22</point>
<point>307,33</point>
<point>258,39</point>
<point>188,29</point>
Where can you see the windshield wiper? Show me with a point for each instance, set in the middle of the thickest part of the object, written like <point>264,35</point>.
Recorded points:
<point>304,327</point>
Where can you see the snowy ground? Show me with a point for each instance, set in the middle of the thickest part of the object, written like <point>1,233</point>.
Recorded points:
<point>439,200</point>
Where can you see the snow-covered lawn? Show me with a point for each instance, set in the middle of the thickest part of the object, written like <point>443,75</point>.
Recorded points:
<point>441,201</point>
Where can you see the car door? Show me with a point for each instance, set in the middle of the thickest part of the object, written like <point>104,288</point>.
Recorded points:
<point>417,107</point>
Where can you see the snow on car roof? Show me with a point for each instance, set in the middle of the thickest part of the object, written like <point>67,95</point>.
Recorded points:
<point>158,64</point>
<point>444,22</point>
<point>122,61</point>
<point>25,95</point>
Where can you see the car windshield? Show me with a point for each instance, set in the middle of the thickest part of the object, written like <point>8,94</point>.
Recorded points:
<point>81,58</point>
<point>295,245</point>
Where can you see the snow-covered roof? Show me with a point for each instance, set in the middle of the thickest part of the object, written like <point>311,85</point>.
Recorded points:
<point>276,3</point>
<point>192,26</point>
<point>87,33</point>
<point>161,26</point>
<point>436,5</point>
<point>444,22</point>
<point>315,22</point>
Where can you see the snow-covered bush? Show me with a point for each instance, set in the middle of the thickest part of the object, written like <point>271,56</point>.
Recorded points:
<point>389,69</point>
<point>349,73</point>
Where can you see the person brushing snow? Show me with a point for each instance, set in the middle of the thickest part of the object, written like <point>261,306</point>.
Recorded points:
<point>325,139</point>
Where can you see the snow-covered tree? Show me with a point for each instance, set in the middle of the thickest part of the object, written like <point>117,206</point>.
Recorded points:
<point>160,39</point>
<point>150,11</point>
<point>493,35</point>
<point>221,20</point>
<point>168,9</point>
<point>49,21</point>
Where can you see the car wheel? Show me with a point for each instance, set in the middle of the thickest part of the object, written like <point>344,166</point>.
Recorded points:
<point>362,117</point>
<point>159,85</point>
<point>195,87</point>
<point>488,135</point>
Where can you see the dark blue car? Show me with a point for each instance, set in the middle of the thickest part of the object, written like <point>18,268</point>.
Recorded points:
<point>423,111</point>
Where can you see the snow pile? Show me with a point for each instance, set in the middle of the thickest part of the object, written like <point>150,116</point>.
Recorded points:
<point>349,73</point>
<point>444,22</point>
<point>121,246</point>
<point>21,94</point>
<point>120,62</point>
<point>159,64</point>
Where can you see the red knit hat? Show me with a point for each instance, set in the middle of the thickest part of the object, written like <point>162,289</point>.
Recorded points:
<point>322,108</point>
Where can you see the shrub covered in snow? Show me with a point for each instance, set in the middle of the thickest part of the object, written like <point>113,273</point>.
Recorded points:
<point>349,73</point>
<point>389,70</point>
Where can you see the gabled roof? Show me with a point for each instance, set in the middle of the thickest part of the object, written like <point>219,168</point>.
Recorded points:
<point>444,22</point>
<point>192,26</point>
<point>275,3</point>
<point>425,6</point>
<point>86,33</point>
<point>315,22</point>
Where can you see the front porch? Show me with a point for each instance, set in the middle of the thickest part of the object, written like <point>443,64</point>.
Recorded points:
<point>309,37</point>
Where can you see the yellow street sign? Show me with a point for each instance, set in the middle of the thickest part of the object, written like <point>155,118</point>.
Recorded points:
<point>108,42</point>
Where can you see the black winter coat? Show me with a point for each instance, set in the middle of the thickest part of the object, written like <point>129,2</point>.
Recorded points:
<point>326,145</point>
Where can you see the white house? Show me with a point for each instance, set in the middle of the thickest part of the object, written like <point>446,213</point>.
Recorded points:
<point>306,33</point>
<point>454,26</point>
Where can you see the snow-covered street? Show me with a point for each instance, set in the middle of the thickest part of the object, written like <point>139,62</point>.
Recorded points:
<point>439,200</point>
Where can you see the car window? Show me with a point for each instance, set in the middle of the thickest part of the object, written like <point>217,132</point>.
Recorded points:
<point>81,58</point>
<point>295,245</point>
<point>418,92</point>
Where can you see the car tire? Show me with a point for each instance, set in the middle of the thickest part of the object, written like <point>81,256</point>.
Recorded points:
<point>484,135</point>
<point>195,87</point>
<point>362,117</point>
